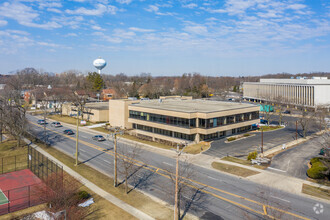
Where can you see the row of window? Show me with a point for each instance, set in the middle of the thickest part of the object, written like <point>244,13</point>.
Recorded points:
<point>204,137</point>
<point>181,122</point>
<point>191,123</point>
<point>165,132</point>
<point>226,120</point>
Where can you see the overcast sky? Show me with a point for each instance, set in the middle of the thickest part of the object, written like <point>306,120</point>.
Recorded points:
<point>229,37</point>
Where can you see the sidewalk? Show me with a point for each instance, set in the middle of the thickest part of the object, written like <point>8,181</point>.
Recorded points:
<point>114,200</point>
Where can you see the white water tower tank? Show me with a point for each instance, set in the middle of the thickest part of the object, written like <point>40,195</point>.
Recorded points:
<point>99,64</point>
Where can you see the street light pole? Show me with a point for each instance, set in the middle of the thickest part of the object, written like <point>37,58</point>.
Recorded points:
<point>115,162</point>
<point>77,137</point>
<point>117,130</point>
<point>176,199</point>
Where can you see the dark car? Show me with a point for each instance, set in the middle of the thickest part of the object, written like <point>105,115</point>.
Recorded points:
<point>68,132</point>
<point>98,138</point>
<point>56,124</point>
<point>287,112</point>
<point>41,122</point>
<point>263,121</point>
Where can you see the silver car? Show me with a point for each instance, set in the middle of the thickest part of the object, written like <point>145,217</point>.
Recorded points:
<point>98,138</point>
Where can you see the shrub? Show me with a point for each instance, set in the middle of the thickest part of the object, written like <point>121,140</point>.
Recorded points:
<point>246,135</point>
<point>316,172</point>
<point>315,159</point>
<point>231,139</point>
<point>252,155</point>
<point>82,195</point>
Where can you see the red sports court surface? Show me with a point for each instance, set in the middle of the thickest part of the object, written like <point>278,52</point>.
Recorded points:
<point>19,188</point>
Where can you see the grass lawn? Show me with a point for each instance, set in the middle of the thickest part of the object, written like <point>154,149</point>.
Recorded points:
<point>316,191</point>
<point>323,182</point>
<point>197,148</point>
<point>24,212</point>
<point>238,171</point>
<point>269,128</point>
<point>243,162</point>
<point>134,198</point>
<point>67,119</point>
<point>101,129</point>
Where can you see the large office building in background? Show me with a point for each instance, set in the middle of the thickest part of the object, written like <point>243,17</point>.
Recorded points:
<point>177,120</point>
<point>312,92</point>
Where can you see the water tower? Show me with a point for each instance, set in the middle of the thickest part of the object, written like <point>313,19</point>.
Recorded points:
<point>99,64</point>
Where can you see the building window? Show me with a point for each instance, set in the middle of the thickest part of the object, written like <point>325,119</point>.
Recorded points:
<point>163,119</point>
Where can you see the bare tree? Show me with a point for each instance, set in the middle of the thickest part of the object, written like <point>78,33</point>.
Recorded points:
<point>321,114</point>
<point>126,162</point>
<point>186,193</point>
<point>62,195</point>
<point>305,120</point>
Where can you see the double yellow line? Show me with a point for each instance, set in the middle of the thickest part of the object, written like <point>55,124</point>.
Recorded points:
<point>168,174</point>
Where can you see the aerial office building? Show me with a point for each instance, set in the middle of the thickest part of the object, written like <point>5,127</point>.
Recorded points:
<point>177,120</point>
<point>312,92</point>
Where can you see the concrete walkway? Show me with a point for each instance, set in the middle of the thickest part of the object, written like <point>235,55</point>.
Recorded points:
<point>114,200</point>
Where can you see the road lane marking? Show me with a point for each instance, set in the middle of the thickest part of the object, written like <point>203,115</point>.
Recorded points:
<point>168,164</point>
<point>82,150</point>
<point>281,199</point>
<point>107,161</point>
<point>277,169</point>
<point>156,170</point>
<point>265,209</point>
<point>213,178</point>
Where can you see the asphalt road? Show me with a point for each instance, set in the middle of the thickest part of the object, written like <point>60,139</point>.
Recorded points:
<point>294,161</point>
<point>210,195</point>
<point>243,147</point>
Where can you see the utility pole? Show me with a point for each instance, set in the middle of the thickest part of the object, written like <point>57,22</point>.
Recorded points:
<point>262,140</point>
<point>77,136</point>
<point>296,130</point>
<point>176,199</point>
<point>116,131</point>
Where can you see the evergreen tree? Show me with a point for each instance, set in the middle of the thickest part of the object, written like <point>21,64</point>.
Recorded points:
<point>96,81</point>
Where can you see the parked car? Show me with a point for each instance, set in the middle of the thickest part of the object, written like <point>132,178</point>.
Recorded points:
<point>287,112</point>
<point>98,138</point>
<point>56,124</point>
<point>255,126</point>
<point>263,121</point>
<point>41,122</point>
<point>68,132</point>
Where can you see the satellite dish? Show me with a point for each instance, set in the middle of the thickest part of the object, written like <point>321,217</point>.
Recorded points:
<point>99,64</point>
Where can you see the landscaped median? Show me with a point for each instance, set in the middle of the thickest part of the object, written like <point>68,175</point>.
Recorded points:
<point>235,170</point>
<point>316,191</point>
<point>243,162</point>
<point>238,137</point>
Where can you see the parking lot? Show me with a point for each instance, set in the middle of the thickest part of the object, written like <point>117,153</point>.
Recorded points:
<point>242,147</point>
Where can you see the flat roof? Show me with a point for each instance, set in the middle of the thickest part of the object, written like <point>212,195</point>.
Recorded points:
<point>98,105</point>
<point>191,106</point>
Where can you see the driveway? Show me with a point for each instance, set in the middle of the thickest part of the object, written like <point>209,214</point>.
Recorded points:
<point>242,147</point>
<point>294,161</point>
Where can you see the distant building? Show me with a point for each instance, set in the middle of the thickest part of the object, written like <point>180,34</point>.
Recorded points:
<point>298,92</point>
<point>93,111</point>
<point>177,120</point>
<point>108,94</point>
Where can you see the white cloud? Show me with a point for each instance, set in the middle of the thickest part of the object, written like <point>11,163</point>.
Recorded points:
<point>140,29</point>
<point>97,28</point>
<point>24,15</point>
<point>99,10</point>
<point>54,10</point>
<point>296,6</point>
<point>196,29</point>
<point>124,1</point>
<point>191,5</point>
<point>155,9</point>
<point>3,23</point>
